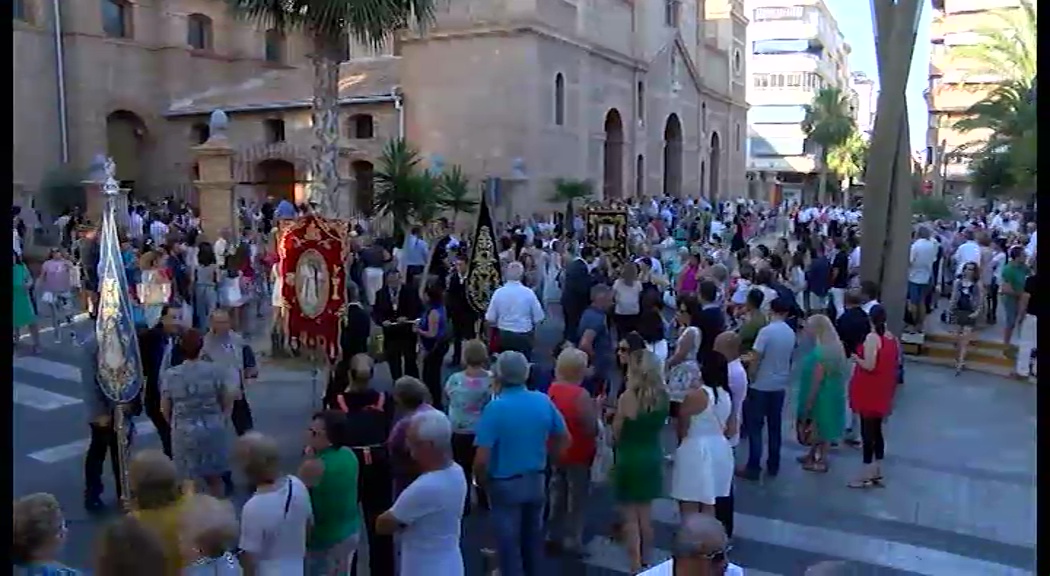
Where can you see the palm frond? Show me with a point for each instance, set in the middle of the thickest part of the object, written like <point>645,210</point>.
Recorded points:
<point>370,22</point>
<point>456,194</point>
<point>1007,46</point>
<point>568,190</point>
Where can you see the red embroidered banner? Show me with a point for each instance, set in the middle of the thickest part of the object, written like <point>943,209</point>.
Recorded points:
<point>313,253</point>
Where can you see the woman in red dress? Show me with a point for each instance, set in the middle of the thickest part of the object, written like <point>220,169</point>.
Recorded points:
<point>871,391</point>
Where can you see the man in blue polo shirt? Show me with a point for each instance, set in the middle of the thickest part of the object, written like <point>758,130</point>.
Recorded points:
<point>512,440</point>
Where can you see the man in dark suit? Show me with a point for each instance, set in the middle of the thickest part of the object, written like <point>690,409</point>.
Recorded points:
<point>576,290</point>
<point>159,349</point>
<point>460,313</point>
<point>438,266</point>
<point>103,436</point>
<point>395,310</point>
<point>353,340</point>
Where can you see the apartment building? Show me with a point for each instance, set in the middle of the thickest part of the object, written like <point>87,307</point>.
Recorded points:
<point>795,49</point>
<point>864,96</point>
<point>954,87</point>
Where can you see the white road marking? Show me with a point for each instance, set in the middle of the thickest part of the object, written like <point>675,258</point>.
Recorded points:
<point>77,319</point>
<point>848,546</point>
<point>77,448</point>
<point>40,399</point>
<point>44,367</point>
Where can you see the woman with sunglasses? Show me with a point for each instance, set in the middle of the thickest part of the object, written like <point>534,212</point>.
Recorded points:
<point>964,308</point>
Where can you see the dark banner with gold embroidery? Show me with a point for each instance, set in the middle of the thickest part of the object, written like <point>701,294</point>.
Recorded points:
<point>607,232</point>
<point>313,253</point>
<point>483,270</point>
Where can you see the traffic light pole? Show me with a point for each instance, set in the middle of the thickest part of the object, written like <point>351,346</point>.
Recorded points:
<point>886,229</point>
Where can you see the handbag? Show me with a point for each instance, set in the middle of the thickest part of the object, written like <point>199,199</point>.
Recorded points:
<point>804,432</point>
<point>230,294</point>
<point>603,456</point>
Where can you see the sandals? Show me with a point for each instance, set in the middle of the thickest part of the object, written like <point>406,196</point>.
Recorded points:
<point>873,482</point>
<point>818,466</point>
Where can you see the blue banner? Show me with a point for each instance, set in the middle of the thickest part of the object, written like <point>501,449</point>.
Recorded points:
<point>119,366</point>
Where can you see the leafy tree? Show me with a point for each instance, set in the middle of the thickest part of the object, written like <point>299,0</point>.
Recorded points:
<point>330,24</point>
<point>930,208</point>
<point>456,194</point>
<point>828,124</point>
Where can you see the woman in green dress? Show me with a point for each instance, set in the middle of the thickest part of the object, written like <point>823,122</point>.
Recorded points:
<point>22,304</point>
<point>821,392</point>
<point>638,472</point>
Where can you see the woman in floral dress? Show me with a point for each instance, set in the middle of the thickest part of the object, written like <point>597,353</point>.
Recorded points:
<point>197,397</point>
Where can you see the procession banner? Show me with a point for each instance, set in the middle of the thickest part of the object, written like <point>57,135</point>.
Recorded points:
<point>607,231</point>
<point>484,275</point>
<point>313,252</point>
<point>119,364</point>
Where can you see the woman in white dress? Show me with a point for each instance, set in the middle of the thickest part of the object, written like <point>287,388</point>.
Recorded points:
<point>703,464</point>
<point>552,282</point>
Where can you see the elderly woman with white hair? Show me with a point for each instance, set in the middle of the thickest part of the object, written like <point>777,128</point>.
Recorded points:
<point>428,513</point>
<point>209,529</point>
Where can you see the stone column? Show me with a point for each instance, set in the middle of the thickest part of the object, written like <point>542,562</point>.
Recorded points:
<point>215,183</point>
<point>887,205</point>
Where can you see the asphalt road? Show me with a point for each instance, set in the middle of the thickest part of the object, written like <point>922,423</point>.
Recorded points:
<point>960,499</point>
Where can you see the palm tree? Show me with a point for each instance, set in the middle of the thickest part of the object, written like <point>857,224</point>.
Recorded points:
<point>827,124</point>
<point>402,189</point>
<point>847,159</point>
<point>330,24</point>
<point>1006,115</point>
<point>456,194</point>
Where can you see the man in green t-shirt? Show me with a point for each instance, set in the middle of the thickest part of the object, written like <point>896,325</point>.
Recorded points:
<point>753,320</point>
<point>1014,274</point>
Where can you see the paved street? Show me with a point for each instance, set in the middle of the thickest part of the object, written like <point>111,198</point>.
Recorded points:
<point>960,469</point>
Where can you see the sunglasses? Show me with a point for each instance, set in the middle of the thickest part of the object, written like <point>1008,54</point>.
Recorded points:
<point>718,556</point>
<point>623,349</point>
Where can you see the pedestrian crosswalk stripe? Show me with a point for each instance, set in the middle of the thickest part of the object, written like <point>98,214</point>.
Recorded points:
<point>848,546</point>
<point>49,368</point>
<point>76,449</point>
<point>40,399</point>
<point>602,552</point>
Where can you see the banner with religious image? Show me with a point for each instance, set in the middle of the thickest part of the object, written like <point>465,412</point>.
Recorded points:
<point>313,253</point>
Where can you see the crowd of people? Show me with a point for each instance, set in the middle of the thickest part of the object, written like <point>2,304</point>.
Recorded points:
<point>681,341</point>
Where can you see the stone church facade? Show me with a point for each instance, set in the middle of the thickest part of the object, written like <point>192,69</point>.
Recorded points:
<point>642,97</point>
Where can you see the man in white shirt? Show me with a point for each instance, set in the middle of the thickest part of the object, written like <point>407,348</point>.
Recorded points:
<point>920,274</point>
<point>969,252</point>
<point>158,231</point>
<point>701,548</point>
<point>429,513</point>
<point>135,225</point>
<point>515,311</point>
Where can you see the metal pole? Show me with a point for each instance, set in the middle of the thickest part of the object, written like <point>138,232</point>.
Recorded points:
<point>123,432</point>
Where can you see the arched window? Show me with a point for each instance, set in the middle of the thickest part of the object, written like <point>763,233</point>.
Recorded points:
<point>640,97</point>
<point>559,99</point>
<point>361,126</point>
<point>116,18</point>
<point>200,132</point>
<point>198,32</point>
<point>274,46</point>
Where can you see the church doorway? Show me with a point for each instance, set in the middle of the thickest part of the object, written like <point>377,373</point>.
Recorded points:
<point>277,179</point>
<point>673,156</point>
<point>715,161</point>
<point>364,186</point>
<point>125,142</point>
<point>612,156</point>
